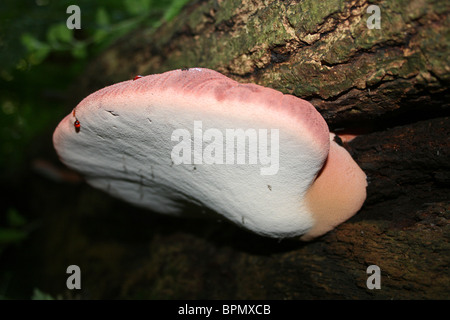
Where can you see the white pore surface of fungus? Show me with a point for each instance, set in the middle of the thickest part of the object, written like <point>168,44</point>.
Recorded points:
<point>164,139</point>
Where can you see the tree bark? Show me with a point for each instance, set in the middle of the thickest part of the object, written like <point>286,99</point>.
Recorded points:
<point>391,84</point>
<point>321,51</point>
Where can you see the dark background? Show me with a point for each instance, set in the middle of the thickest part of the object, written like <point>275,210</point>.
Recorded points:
<point>40,61</point>
<point>391,84</point>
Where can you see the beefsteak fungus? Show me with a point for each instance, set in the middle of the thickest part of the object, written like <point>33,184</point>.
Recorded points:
<point>263,159</point>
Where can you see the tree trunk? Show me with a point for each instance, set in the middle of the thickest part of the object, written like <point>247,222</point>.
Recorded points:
<point>388,84</point>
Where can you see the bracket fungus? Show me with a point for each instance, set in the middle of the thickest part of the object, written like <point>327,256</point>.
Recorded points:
<point>263,159</point>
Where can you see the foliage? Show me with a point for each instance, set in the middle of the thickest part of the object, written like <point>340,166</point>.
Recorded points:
<point>13,229</point>
<point>41,57</point>
<point>39,295</point>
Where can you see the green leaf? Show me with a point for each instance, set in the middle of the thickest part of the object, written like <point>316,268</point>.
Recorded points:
<point>102,17</point>
<point>100,35</point>
<point>79,50</point>
<point>31,43</point>
<point>174,9</point>
<point>39,295</point>
<point>59,34</point>
<point>14,218</point>
<point>37,50</point>
<point>137,7</point>
<point>8,235</point>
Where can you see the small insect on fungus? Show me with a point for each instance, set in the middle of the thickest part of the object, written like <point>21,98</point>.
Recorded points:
<point>184,69</point>
<point>137,77</point>
<point>76,124</point>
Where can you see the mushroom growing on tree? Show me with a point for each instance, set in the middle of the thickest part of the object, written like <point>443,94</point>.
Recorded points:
<point>263,159</point>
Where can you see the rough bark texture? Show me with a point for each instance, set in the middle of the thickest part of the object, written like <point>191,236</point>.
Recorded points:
<point>321,51</point>
<point>390,83</point>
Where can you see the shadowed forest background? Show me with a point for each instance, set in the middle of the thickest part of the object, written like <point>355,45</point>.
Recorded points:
<point>389,85</point>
